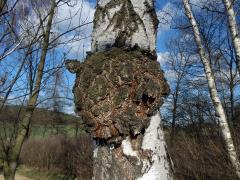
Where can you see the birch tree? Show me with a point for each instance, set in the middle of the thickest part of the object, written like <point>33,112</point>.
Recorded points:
<point>118,96</point>
<point>233,27</point>
<point>220,113</point>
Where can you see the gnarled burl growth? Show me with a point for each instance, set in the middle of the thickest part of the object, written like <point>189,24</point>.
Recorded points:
<point>117,91</point>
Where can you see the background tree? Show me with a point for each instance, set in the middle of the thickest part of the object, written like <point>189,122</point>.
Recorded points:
<point>213,90</point>
<point>11,154</point>
<point>233,28</point>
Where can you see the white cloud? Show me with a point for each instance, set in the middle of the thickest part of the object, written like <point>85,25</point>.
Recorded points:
<point>68,16</point>
<point>170,75</point>
<point>71,16</point>
<point>163,58</point>
<point>78,12</point>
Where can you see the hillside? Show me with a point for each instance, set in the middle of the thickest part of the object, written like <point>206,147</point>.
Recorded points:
<point>40,116</point>
<point>44,122</point>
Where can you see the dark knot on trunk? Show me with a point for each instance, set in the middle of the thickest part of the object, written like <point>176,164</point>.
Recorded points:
<point>117,91</point>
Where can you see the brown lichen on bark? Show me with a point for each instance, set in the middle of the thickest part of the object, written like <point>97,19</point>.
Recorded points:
<point>117,91</point>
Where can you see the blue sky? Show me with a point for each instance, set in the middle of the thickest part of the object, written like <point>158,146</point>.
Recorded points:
<point>163,35</point>
<point>78,46</point>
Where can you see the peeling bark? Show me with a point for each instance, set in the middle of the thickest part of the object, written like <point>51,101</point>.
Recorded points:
<point>220,113</point>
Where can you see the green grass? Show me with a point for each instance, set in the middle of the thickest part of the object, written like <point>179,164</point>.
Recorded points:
<point>43,123</point>
<point>39,175</point>
<point>43,131</point>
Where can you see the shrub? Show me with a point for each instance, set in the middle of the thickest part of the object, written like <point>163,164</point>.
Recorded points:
<point>203,157</point>
<point>70,156</point>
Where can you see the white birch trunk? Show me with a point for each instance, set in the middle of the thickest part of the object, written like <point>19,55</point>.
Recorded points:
<point>132,21</point>
<point>154,140</point>
<point>233,29</point>
<point>142,155</point>
<point>213,91</point>
<point>109,165</point>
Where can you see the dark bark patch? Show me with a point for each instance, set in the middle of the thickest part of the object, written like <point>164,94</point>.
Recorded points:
<point>117,91</point>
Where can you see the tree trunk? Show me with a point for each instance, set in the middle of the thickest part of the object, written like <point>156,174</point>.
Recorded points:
<point>2,6</point>
<point>233,29</point>
<point>9,170</point>
<point>220,113</point>
<point>11,158</point>
<point>118,109</point>
<point>118,89</point>
<point>124,23</point>
<point>125,163</point>
<point>174,116</point>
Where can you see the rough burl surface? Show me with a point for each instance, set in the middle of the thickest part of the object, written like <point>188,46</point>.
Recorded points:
<point>117,91</point>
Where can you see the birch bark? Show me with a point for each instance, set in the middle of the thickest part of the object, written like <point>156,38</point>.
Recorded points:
<point>233,29</point>
<point>220,113</point>
<point>125,23</point>
<point>110,165</point>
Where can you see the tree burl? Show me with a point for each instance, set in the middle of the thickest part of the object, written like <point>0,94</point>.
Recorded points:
<point>117,91</point>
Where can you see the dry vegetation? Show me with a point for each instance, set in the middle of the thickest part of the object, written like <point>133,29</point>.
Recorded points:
<point>201,158</point>
<point>203,155</point>
<point>69,156</point>
<point>195,155</point>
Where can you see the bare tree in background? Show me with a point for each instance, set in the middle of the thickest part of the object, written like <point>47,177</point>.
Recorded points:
<point>178,64</point>
<point>10,38</point>
<point>11,154</point>
<point>227,78</point>
<point>220,113</point>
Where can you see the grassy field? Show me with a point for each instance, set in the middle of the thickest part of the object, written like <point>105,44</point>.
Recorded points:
<point>53,151</point>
